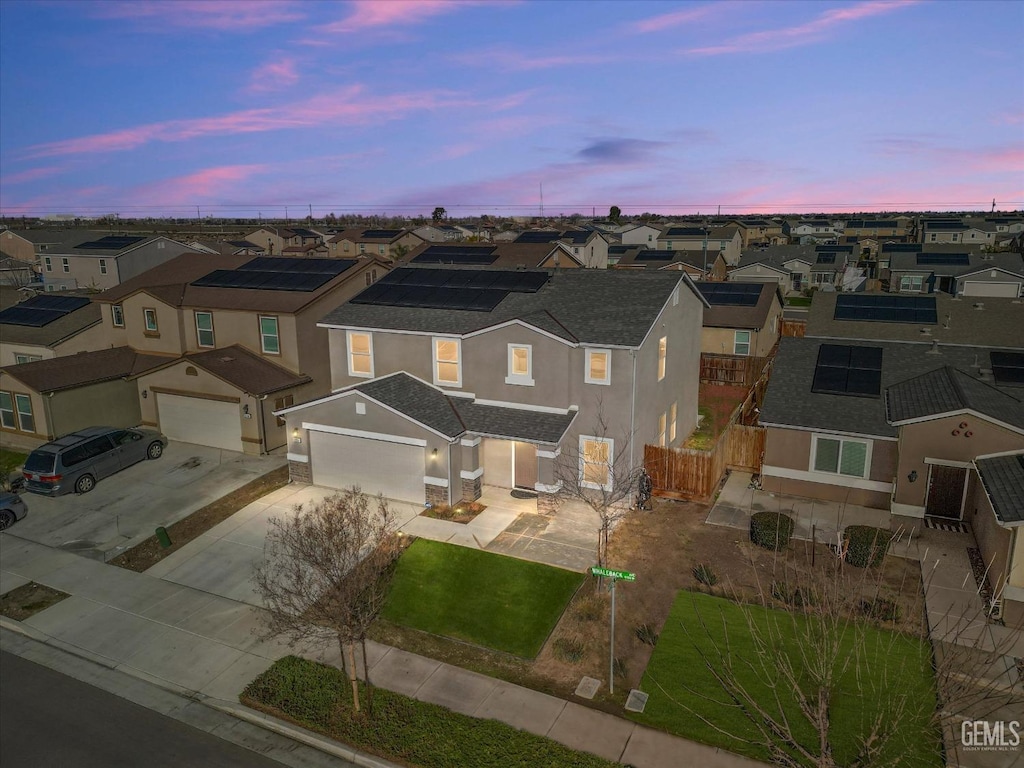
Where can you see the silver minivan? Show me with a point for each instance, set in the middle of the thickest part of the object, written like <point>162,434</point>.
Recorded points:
<point>78,461</point>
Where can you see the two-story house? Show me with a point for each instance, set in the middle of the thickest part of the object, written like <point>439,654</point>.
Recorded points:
<point>450,384</point>
<point>744,319</point>
<point>697,265</point>
<point>44,326</point>
<point>276,240</point>
<point>724,240</point>
<point>368,243</point>
<point>787,265</point>
<point>106,261</point>
<point>956,270</point>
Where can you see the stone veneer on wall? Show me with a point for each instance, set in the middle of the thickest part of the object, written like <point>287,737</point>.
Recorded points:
<point>472,489</point>
<point>299,472</point>
<point>436,495</point>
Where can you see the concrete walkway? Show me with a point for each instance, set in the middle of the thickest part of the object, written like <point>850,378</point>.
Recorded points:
<point>204,646</point>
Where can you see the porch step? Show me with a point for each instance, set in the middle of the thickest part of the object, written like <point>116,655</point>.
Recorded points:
<point>943,524</point>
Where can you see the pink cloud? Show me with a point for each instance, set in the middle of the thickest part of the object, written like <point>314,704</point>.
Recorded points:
<point>803,34</point>
<point>347,106</point>
<point>518,61</point>
<point>226,15</point>
<point>368,14</point>
<point>32,174</point>
<point>675,18</point>
<point>195,187</point>
<point>274,75</point>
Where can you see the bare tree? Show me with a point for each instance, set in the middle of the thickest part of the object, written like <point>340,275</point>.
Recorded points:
<point>600,473</point>
<point>325,574</point>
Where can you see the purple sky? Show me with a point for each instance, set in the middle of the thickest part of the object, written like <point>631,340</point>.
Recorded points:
<point>154,108</point>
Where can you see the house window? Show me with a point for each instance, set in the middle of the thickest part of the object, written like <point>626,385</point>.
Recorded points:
<point>270,342</point>
<point>367,278</point>
<point>911,283</point>
<point>934,237</point>
<point>447,362</point>
<point>7,411</point>
<point>21,357</point>
<point>380,250</point>
<point>662,355</point>
<point>360,354</point>
<point>741,343</point>
<point>345,246</point>
<point>283,402</point>
<point>841,456</point>
<point>117,315</point>
<point>26,421</point>
<point>65,264</point>
<point>103,266</point>
<point>649,238</point>
<point>362,247</point>
<point>150,317</point>
<point>204,329</point>
<point>662,428</point>
<point>596,455</point>
<point>520,365</point>
<point>48,263</point>
<point>599,369</point>
<point>672,412</point>
<point>668,245</point>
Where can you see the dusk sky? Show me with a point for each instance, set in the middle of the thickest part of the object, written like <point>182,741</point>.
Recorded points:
<point>239,108</point>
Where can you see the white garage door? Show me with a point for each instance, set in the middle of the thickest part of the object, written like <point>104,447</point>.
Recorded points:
<point>975,288</point>
<point>204,422</point>
<point>376,466</point>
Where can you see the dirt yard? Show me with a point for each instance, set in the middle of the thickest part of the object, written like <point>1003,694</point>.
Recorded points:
<point>29,599</point>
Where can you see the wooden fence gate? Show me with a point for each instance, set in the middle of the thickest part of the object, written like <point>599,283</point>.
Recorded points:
<point>685,473</point>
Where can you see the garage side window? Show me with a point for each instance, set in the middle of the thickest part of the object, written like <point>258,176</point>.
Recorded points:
<point>26,420</point>
<point>360,354</point>
<point>7,411</point>
<point>270,341</point>
<point>448,362</point>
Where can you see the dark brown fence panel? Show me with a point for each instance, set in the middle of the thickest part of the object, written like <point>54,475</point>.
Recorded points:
<point>794,328</point>
<point>730,369</point>
<point>685,473</point>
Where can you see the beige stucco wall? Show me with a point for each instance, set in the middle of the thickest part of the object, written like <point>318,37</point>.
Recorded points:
<point>9,352</point>
<point>17,246</point>
<point>169,336</point>
<point>993,540</point>
<point>934,440</point>
<point>42,429</point>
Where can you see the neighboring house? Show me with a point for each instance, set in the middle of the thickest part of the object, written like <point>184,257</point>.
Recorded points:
<point>787,265</point>
<point>240,341</point>
<point>227,247</point>
<point>690,262</point>
<point>744,319</point>
<point>996,513</point>
<point>46,326</point>
<point>724,240</point>
<point>645,235</point>
<point>443,387</point>
<point>826,273</point>
<point>31,244</point>
<point>873,228</point>
<point>807,231</point>
<point>382,243</point>
<point>16,273</point>
<point>276,239</point>
<point>442,233</point>
<point>961,272</point>
<point>759,232</point>
<point>588,246</point>
<point>943,230</point>
<point>497,255</point>
<point>105,261</point>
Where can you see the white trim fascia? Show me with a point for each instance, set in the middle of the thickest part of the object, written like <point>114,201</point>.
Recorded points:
<point>385,438</point>
<point>378,403</point>
<point>348,354</point>
<point>522,323</point>
<point>455,393</point>
<point>668,303</point>
<point>470,442</point>
<point>545,488</point>
<point>827,431</point>
<point>964,411</point>
<point>907,510</point>
<point>550,454</point>
<point>986,269</point>
<point>949,463</point>
<point>826,478</point>
<point>471,475</point>
<point>439,482</point>
<point>1017,452</point>
<point>301,458</point>
<point>341,392</point>
<point>587,379</point>
<point>523,407</point>
<point>469,334</point>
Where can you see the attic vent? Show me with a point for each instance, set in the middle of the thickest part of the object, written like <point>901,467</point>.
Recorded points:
<point>926,331</point>
<point>227,359</point>
<point>979,305</point>
<point>191,371</point>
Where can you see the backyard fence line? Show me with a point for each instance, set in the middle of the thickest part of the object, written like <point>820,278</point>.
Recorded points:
<point>687,473</point>
<point>730,369</point>
<point>795,328</point>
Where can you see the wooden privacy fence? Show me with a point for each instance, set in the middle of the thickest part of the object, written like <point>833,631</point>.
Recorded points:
<point>686,473</point>
<point>794,328</point>
<point>730,369</point>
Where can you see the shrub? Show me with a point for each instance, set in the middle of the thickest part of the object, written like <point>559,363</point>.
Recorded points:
<point>705,574</point>
<point>798,597</point>
<point>880,609</point>
<point>570,649</point>
<point>620,667</point>
<point>590,608</point>
<point>645,634</point>
<point>771,530</point>
<point>865,545</point>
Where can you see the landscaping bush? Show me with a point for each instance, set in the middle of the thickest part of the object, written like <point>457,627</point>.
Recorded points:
<point>645,634</point>
<point>865,545</point>
<point>771,530</point>
<point>590,608</point>
<point>795,596</point>
<point>705,574</point>
<point>880,609</point>
<point>570,649</point>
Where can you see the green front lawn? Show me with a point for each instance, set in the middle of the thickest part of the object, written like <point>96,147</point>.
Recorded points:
<point>678,678</point>
<point>9,461</point>
<point>491,600</point>
<point>798,301</point>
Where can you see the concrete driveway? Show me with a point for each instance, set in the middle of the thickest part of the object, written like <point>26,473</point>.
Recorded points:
<point>126,508</point>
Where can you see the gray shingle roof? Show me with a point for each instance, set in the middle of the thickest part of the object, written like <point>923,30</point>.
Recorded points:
<point>947,390</point>
<point>907,262</point>
<point>513,422</point>
<point>1003,478</point>
<point>417,400</point>
<point>588,305</point>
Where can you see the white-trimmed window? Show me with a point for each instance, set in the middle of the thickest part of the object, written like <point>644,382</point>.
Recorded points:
<point>103,266</point>
<point>840,456</point>
<point>741,343</point>
<point>270,339</point>
<point>149,315</point>
<point>24,357</point>
<point>117,315</point>
<point>596,457</point>
<point>49,263</point>
<point>672,413</point>
<point>911,283</point>
<point>662,428</point>
<point>7,411</point>
<point>662,356</point>
<point>520,365</point>
<point>65,264</point>
<point>599,366</point>
<point>448,361</point>
<point>360,354</point>
<point>26,421</point>
<point>204,329</point>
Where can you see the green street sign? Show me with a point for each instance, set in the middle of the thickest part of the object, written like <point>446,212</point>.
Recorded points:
<point>609,573</point>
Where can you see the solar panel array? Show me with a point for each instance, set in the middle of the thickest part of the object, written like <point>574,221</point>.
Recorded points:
<point>843,369</point>
<point>955,259</point>
<point>384,233</point>
<point>731,294</point>
<point>40,311</point>
<point>458,254</point>
<point>1008,368</point>
<point>538,236</point>
<point>454,289</point>
<point>650,254</point>
<point>902,247</point>
<point>886,309</point>
<point>267,273</point>
<point>826,258</point>
<point>109,243</point>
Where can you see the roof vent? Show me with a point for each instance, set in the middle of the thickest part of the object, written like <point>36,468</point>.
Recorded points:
<point>979,305</point>
<point>934,350</point>
<point>227,359</point>
<point>949,316</point>
<point>976,364</point>
<point>926,331</point>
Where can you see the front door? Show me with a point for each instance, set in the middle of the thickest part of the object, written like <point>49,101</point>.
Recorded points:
<point>524,463</point>
<point>945,491</point>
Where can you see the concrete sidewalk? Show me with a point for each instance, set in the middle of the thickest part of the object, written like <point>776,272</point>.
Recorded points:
<point>203,646</point>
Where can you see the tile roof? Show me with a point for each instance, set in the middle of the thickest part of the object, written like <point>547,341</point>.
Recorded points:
<point>1003,479</point>
<point>72,371</point>
<point>247,371</point>
<point>948,390</point>
<point>574,305</point>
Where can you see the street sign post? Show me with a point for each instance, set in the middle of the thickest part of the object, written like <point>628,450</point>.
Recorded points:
<point>608,573</point>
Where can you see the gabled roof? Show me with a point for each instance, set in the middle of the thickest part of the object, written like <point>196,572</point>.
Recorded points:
<point>777,255</point>
<point>754,317</point>
<point>503,255</point>
<point>637,256</point>
<point>71,371</point>
<point>53,333</point>
<point>418,400</point>
<point>248,372</point>
<point>1003,480</point>
<point>975,262</point>
<point>947,390</point>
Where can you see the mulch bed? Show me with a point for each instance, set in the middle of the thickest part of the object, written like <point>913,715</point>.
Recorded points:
<point>461,513</point>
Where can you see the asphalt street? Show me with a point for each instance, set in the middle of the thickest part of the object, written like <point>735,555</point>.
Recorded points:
<point>49,719</point>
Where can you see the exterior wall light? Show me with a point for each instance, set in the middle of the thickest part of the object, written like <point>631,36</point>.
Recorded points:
<point>296,437</point>
<point>912,477</point>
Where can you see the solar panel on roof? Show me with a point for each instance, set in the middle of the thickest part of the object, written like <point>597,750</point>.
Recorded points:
<point>902,247</point>
<point>40,311</point>
<point>957,259</point>
<point>287,264</point>
<point>109,243</point>
<point>731,294</point>
<point>886,309</point>
<point>1008,368</point>
<point>457,254</point>
<point>538,236</point>
<point>826,258</point>
<point>275,273</point>
<point>650,254</point>
<point>505,280</point>
<point>425,297</point>
<point>387,233</point>
<point>844,369</point>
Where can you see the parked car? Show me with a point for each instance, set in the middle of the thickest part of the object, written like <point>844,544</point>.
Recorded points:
<point>78,461</point>
<point>12,509</point>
